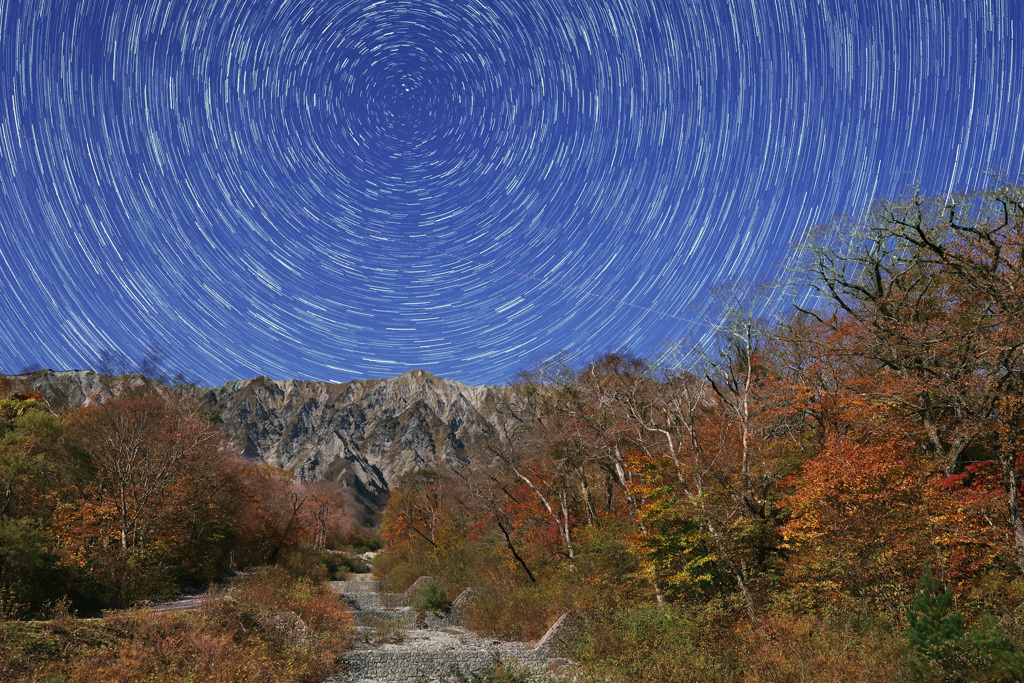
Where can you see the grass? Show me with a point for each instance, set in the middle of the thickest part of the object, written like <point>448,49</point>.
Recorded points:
<point>383,630</point>
<point>677,644</point>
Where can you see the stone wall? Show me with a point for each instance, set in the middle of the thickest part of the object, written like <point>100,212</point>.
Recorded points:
<point>404,599</point>
<point>377,666</point>
<point>563,636</point>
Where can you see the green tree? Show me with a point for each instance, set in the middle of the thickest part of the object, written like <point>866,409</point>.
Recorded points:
<point>936,630</point>
<point>34,466</point>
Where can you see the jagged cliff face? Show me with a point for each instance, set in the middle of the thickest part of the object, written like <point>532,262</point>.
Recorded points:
<point>363,433</point>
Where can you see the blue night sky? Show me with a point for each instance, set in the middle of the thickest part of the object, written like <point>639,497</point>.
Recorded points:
<point>342,189</point>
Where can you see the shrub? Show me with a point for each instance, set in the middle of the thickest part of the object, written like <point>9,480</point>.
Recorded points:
<point>383,630</point>
<point>29,575</point>
<point>942,647</point>
<point>361,540</point>
<point>655,644</point>
<point>323,565</point>
<point>800,647</point>
<point>526,612</point>
<point>345,564</point>
<point>306,562</point>
<point>397,569</point>
<point>273,627</point>
<point>498,672</point>
<point>430,597</point>
<point>993,656</point>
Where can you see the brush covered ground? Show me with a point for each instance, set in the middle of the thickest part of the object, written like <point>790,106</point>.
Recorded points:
<point>270,626</point>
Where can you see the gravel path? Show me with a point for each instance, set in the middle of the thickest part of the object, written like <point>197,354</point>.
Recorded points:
<point>391,648</point>
<point>177,604</point>
<point>193,600</point>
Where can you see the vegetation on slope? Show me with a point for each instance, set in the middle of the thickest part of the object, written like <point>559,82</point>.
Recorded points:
<point>834,496</point>
<point>135,499</point>
<point>272,627</point>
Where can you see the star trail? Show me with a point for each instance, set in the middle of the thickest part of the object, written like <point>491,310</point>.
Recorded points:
<point>342,189</point>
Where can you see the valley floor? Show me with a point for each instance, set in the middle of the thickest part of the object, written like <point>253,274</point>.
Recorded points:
<point>393,646</point>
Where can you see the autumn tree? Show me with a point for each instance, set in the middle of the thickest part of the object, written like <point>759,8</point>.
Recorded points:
<point>415,510</point>
<point>151,513</point>
<point>268,511</point>
<point>147,450</point>
<point>534,473</point>
<point>327,510</point>
<point>495,504</point>
<point>861,527</point>
<point>929,292</point>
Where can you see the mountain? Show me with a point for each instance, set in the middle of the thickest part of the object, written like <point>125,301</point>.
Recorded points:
<point>363,433</point>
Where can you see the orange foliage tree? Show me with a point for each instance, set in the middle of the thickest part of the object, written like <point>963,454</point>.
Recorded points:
<point>929,292</point>
<point>154,494</point>
<point>268,511</point>
<point>149,453</point>
<point>860,525</point>
<point>327,512</point>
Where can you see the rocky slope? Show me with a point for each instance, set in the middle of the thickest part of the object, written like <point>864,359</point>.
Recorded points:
<point>363,433</point>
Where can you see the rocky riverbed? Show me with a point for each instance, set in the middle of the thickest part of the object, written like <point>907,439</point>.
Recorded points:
<point>394,646</point>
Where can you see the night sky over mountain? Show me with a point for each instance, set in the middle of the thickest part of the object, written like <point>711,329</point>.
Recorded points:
<point>338,189</point>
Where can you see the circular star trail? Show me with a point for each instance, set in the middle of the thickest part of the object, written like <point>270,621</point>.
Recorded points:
<point>340,189</point>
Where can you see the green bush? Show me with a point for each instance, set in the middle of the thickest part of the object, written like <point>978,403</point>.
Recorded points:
<point>29,574</point>
<point>993,656</point>
<point>322,565</point>
<point>942,647</point>
<point>936,631</point>
<point>305,562</point>
<point>430,597</point>
<point>655,644</point>
<point>345,564</point>
<point>360,541</point>
<point>498,672</point>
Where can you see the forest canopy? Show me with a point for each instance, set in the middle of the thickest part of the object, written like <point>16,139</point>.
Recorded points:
<point>136,498</point>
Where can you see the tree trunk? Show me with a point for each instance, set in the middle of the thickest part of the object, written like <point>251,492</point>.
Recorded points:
<point>566,531</point>
<point>1006,460</point>
<point>512,549</point>
<point>588,500</point>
